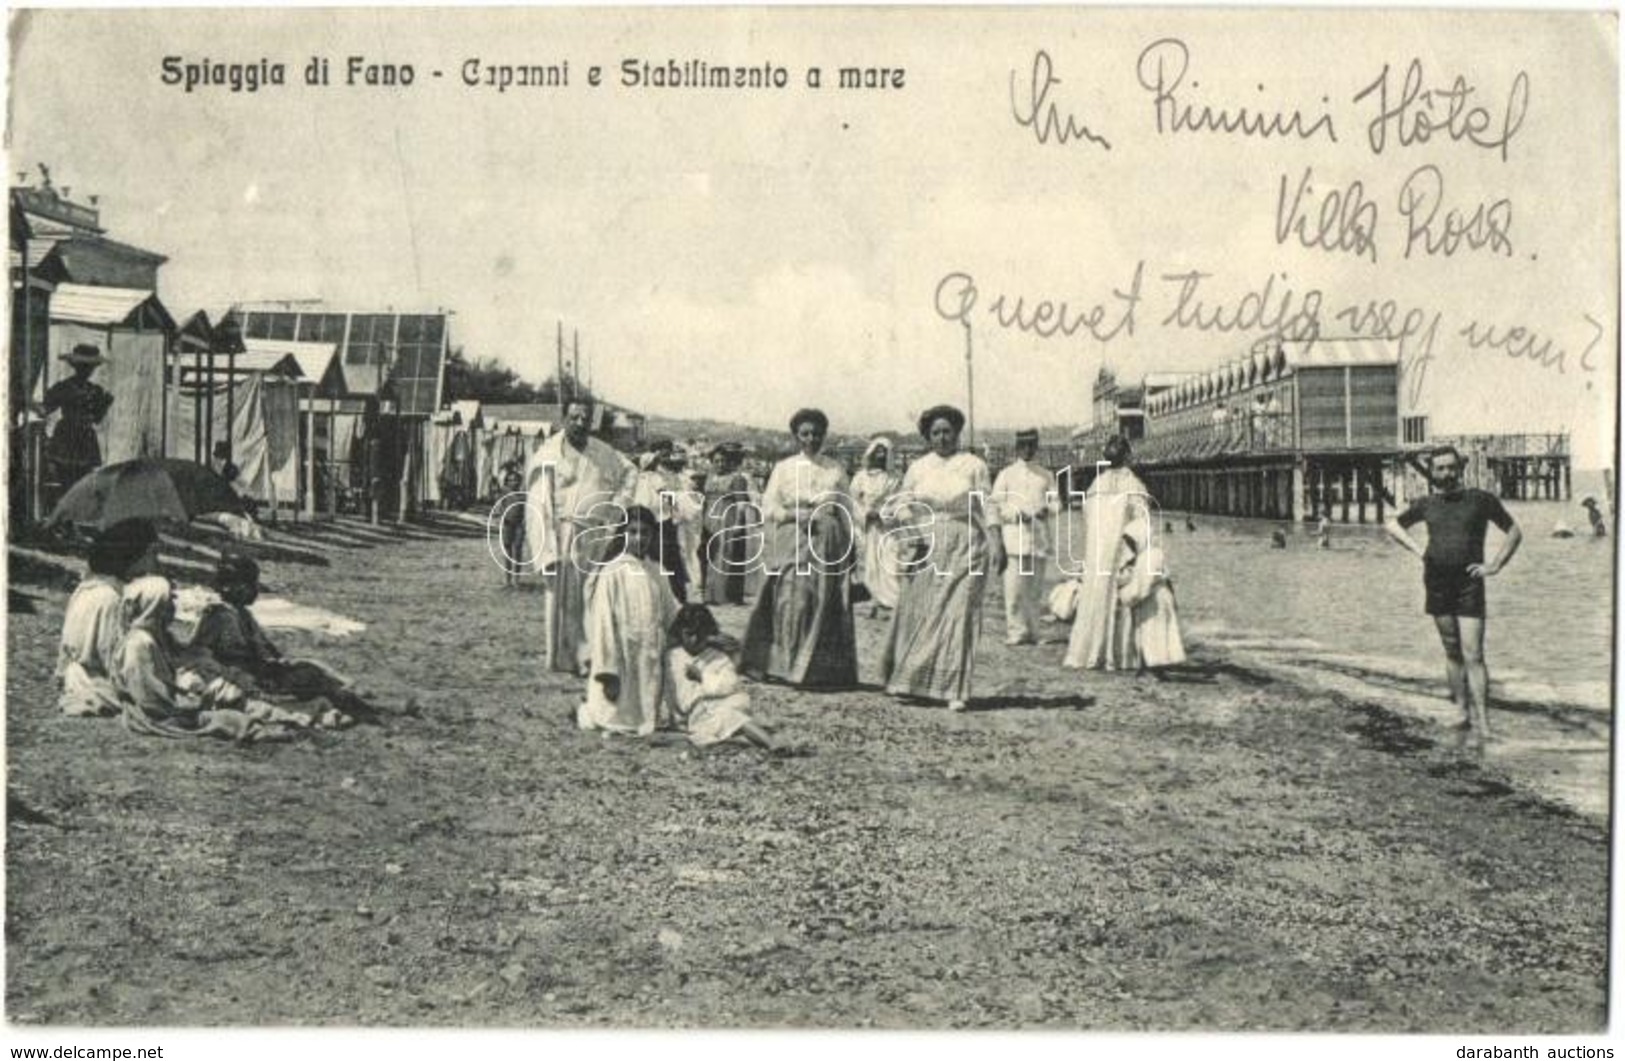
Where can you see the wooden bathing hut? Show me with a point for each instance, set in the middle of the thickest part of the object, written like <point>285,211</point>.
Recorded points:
<point>378,389</point>
<point>1297,430</point>
<point>1302,430</point>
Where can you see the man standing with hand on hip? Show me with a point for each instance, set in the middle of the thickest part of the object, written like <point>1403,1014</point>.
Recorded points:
<point>1454,571</point>
<point>1021,497</point>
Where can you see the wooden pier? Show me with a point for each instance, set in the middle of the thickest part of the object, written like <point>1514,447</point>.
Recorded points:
<point>1301,432</point>
<point>1529,467</point>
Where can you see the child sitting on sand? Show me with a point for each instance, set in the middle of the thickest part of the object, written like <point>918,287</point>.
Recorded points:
<point>1145,591</point>
<point>629,605</point>
<point>712,702</point>
<point>160,701</point>
<point>233,639</point>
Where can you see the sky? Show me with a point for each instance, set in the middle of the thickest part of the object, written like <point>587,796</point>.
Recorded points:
<point>738,254</point>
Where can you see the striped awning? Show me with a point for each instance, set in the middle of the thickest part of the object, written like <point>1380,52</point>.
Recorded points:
<point>1336,353</point>
<point>83,304</point>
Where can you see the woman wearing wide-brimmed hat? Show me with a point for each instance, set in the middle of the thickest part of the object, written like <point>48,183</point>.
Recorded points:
<point>955,543</point>
<point>801,629</point>
<point>72,450</point>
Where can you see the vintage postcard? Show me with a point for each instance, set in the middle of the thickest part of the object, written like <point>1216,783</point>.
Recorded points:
<point>1067,518</point>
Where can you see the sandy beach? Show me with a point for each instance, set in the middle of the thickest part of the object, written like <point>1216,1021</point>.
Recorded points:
<point>1233,851</point>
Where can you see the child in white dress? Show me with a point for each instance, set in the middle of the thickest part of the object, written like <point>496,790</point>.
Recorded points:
<point>712,703</point>
<point>1146,591</point>
<point>629,606</point>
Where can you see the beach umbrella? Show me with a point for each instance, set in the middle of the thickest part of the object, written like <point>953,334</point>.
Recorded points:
<point>145,488</point>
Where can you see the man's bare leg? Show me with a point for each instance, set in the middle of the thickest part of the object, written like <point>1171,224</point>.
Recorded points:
<point>1478,675</point>
<point>1455,669</point>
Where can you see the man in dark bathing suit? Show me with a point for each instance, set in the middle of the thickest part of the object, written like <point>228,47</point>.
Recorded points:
<point>1454,572</point>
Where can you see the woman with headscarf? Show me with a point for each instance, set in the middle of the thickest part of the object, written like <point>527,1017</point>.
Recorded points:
<point>872,486</point>
<point>950,543</point>
<point>1100,639</point>
<point>801,629</point>
<point>158,700</point>
<point>92,625</point>
<point>730,516</point>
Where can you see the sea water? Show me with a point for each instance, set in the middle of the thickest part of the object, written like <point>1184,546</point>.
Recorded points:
<point>1357,606</point>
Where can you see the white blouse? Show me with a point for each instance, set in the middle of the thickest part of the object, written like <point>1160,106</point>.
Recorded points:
<point>947,484</point>
<point>800,483</point>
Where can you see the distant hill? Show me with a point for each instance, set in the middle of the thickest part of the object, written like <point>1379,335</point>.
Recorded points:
<point>756,439</point>
<point>767,442</point>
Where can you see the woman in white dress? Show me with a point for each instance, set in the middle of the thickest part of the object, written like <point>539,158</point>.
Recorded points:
<point>949,546</point>
<point>800,631</point>
<point>1102,635</point>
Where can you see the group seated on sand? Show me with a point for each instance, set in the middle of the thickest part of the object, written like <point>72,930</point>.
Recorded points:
<point>119,657</point>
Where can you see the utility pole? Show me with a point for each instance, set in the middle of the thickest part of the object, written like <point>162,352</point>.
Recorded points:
<point>970,387</point>
<point>558,370</point>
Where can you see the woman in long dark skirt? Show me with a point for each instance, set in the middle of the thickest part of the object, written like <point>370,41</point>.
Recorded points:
<point>801,629</point>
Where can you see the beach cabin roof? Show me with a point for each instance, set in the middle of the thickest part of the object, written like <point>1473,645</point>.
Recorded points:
<point>317,361</point>
<point>1155,381</point>
<point>511,411</point>
<point>270,362</point>
<point>97,260</point>
<point>468,412</point>
<point>196,333</point>
<point>109,307</point>
<point>1336,353</point>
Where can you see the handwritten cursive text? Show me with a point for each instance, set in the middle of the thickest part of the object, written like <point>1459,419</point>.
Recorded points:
<point>1417,114</point>
<point>1162,68</point>
<point>1347,220</point>
<point>1041,115</point>
<point>957,295</point>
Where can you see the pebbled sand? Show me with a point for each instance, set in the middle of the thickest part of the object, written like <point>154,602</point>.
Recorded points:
<point>1232,852</point>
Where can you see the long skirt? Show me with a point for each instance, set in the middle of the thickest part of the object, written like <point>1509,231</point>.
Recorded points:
<point>878,566</point>
<point>728,548</point>
<point>1102,636</point>
<point>566,598</point>
<point>672,560</point>
<point>938,620</point>
<point>800,630</point>
<point>1157,637</point>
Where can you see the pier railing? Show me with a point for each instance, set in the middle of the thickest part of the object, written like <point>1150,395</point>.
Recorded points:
<point>1245,434</point>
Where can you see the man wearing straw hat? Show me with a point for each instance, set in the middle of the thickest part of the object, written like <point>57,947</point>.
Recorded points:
<point>72,450</point>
